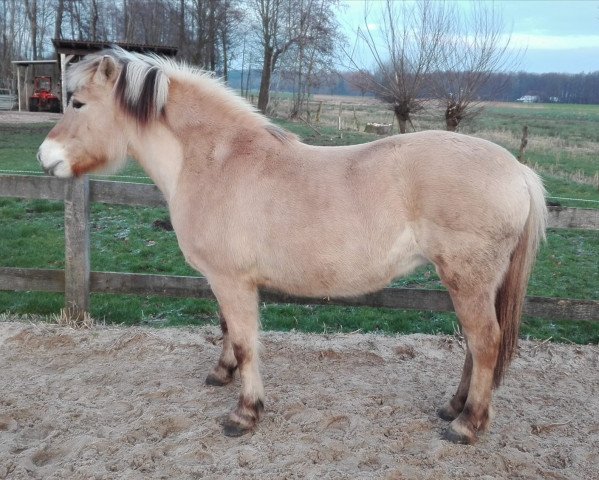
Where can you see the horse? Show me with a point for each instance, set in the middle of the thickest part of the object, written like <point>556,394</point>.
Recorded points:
<point>253,207</point>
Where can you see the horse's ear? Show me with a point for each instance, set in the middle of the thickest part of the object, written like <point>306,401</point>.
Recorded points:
<point>106,71</point>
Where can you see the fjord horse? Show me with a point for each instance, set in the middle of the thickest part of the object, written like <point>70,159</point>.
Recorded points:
<point>254,207</point>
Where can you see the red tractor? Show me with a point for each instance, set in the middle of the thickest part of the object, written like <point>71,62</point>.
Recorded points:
<point>43,100</point>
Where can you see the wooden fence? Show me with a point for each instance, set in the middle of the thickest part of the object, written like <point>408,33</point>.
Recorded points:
<point>77,281</point>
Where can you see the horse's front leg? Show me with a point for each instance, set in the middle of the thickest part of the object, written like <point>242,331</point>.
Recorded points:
<point>223,373</point>
<point>239,307</point>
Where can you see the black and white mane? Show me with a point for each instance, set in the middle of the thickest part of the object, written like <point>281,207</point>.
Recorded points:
<point>142,87</point>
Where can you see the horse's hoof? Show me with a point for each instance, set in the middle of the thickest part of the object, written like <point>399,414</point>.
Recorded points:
<point>233,429</point>
<point>215,381</point>
<point>459,434</point>
<point>447,413</point>
<point>244,418</point>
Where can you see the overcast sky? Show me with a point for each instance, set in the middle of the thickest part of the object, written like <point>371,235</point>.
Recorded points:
<point>557,35</point>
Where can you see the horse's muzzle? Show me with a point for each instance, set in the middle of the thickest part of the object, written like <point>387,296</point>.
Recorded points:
<point>51,157</point>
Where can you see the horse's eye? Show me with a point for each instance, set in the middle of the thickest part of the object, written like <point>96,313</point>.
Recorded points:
<point>77,104</point>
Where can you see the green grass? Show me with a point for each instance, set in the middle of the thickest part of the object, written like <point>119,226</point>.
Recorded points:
<point>124,239</point>
<point>18,149</point>
<point>327,135</point>
<point>570,122</point>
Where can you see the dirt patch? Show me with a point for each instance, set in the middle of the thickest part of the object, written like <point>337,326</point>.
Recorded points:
<point>131,403</point>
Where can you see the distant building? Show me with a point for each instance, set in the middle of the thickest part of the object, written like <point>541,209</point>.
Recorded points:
<point>529,99</point>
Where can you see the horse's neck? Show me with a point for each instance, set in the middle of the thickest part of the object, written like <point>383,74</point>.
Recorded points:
<point>160,154</point>
<point>201,131</point>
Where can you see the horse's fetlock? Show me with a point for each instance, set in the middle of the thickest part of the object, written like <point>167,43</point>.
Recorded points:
<point>460,431</point>
<point>241,353</point>
<point>221,375</point>
<point>448,412</point>
<point>478,418</point>
<point>250,408</point>
<point>486,419</point>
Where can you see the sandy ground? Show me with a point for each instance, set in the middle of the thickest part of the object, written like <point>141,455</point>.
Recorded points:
<point>28,117</point>
<point>131,403</point>
<point>116,403</point>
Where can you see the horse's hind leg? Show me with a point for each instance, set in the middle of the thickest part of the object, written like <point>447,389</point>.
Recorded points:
<point>223,372</point>
<point>239,306</point>
<point>476,311</point>
<point>455,406</point>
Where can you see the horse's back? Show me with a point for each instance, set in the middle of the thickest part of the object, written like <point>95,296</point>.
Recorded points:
<point>445,177</point>
<point>462,182</point>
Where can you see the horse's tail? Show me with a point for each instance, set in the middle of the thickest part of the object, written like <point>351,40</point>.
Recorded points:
<point>510,295</point>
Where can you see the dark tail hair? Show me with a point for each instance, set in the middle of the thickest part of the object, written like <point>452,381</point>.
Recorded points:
<point>510,296</point>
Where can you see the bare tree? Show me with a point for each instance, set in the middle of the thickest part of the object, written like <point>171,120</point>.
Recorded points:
<point>283,24</point>
<point>13,36</point>
<point>310,56</point>
<point>230,16</point>
<point>404,48</point>
<point>274,42</point>
<point>475,48</point>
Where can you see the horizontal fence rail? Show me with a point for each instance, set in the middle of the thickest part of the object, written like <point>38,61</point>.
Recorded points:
<point>148,195</point>
<point>48,280</point>
<point>135,194</point>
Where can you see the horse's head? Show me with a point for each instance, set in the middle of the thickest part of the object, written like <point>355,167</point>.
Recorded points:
<point>90,135</point>
<point>112,95</point>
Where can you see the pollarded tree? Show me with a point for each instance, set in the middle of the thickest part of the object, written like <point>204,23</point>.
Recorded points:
<point>404,45</point>
<point>475,48</point>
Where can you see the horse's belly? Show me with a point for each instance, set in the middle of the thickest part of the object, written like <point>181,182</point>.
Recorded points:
<point>362,267</point>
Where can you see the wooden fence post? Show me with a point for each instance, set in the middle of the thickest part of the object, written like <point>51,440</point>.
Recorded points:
<point>523,144</point>
<point>318,110</point>
<point>76,232</point>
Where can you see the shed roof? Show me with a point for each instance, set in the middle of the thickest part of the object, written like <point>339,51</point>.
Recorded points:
<point>83,47</point>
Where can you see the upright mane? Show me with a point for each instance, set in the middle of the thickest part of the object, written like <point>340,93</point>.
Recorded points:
<point>142,87</point>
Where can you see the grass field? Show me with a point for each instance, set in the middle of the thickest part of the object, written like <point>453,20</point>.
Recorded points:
<point>562,144</point>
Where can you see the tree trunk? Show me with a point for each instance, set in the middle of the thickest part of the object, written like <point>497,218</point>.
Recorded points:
<point>403,125</point>
<point>454,113</point>
<point>94,20</point>
<point>31,7</point>
<point>523,144</point>
<point>402,110</point>
<point>181,24</point>
<point>226,57</point>
<point>264,95</point>
<point>451,124</point>
<point>402,120</point>
<point>126,21</point>
<point>58,23</point>
<point>211,47</point>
